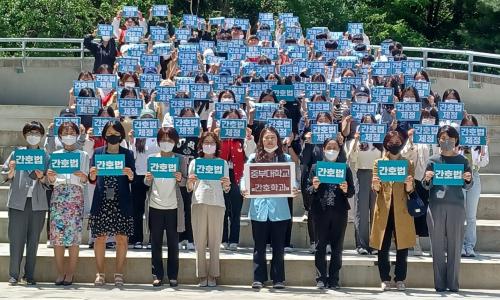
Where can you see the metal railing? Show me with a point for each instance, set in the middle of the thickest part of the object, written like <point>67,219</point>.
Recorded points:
<point>456,61</point>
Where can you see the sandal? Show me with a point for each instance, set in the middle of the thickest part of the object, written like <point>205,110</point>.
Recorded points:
<point>118,279</point>
<point>99,279</point>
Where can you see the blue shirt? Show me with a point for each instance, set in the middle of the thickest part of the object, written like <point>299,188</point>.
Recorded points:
<point>263,209</point>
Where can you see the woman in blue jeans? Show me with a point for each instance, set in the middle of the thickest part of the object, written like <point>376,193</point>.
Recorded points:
<point>478,157</point>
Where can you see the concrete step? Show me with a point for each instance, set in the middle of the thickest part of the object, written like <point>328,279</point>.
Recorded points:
<point>488,120</point>
<point>490,183</point>
<point>493,166</point>
<point>482,272</point>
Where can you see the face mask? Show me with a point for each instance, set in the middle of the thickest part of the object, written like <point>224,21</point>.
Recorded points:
<point>428,121</point>
<point>409,99</point>
<point>447,145</point>
<point>209,149</point>
<point>166,146</point>
<point>106,38</point>
<point>331,155</point>
<point>129,84</point>
<point>362,99</point>
<point>68,140</point>
<point>322,123</point>
<point>166,56</point>
<point>451,100</point>
<point>113,139</point>
<point>226,100</point>
<point>394,149</point>
<point>33,139</point>
<point>271,150</point>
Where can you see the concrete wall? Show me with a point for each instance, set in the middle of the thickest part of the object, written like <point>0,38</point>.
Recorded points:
<point>47,83</point>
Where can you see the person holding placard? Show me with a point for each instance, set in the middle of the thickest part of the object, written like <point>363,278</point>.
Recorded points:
<point>165,207</point>
<point>208,207</point>
<point>104,51</point>
<point>267,96</point>
<point>111,212</point>
<point>361,156</point>
<point>120,32</point>
<point>27,205</point>
<point>269,215</point>
<point>329,203</point>
<point>67,201</point>
<point>446,212</point>
<point>478,158</point>
<point>391,217</point>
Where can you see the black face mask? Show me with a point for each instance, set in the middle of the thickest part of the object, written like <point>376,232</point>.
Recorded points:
<point>113,139</point>
<point>394,149</point>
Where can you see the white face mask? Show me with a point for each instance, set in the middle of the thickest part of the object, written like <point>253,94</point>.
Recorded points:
<point>271,150</point>
<point>409,99</point>
<point>226,100</point>
<point>129,84</point>
<point>166,146</point>
<point>323,123</point>
<point>209,149</point>
<point>106,38</point>
<point>331,154</point>
<point>451,100</point>
<point>33,139</point>
<point>68,140</point>
<point>362,99</point>
<point>428,121</point>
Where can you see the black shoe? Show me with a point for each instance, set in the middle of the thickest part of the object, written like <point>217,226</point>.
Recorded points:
<point>110,245</point>
<point>440,290</point>
<point>66,283</point>
<point>59,282</point>
<point>29,281</point>
<point>91,245</point>
<point>453,290</point>
<point>334,286</point>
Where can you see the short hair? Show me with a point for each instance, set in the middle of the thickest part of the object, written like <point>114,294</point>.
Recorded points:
<point>116,125</point>
<point>169,132</point>
<point>394,133</point>
<point>451,132</point>
<point>67,124</point>
<point>85,73</point>
<point>33,125</point>
<point>203,137</point>
<point>453,92</point>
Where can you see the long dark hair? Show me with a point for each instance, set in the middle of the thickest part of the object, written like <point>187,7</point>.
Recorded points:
<point>261,155</point>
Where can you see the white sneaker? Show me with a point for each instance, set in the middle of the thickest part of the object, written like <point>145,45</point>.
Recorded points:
<point>470,253</point>
<point>181,246</point>
<point>190,246</point>
<point>288,249</point>
<point>203,282</point>
<point>328,249</point>
<point>224,246</point>
<point>417,251</point>
<point>212,282</point>
<point>49,245</point>
<point>400,286</point>
<point>305,217</point>
<point>463,254</point>
<point>312,248</point>
<point>385,286</point>
<point>320,285</point>
<point>233,247</point>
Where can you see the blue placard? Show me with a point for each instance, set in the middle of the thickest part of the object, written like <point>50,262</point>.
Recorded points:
<point>264,111</point>
<point>228,23</point>
<point>266,16</point>
<point>355,28</point>
<point>149,61</point>
<point>472,136</point>
<point>410,67</point>
<point>98,124</point>
<point>299,88</point>
<point>220,108</point>
<point>311,33</point>
<point>284,92</point>
<point>233,128</point>
<point>106,81</point>
<point>209,169</point>
<point>423,88</point>
<point>256,88</point>
<point>220,82</point>
<point>408,111</point>
<point>78,85</point>
<point>204,45</point>
<point>297,52</point>
<point>243,23</point>
<point>260,70</point>
<point>384,95</point>
<point>384,49</point>
<point>188,62</point>
<point>450,111</point>
<point>291,21</point>
<point>158,33</point>
<point>265,35</point>
<point>340,90</point>
<point>239,93</point>
<point>236,53</point>
<point>448,174</point>
<point>392,170</point>
<point>160,10</point>
<point>344,45</point>
<point>182,34</point>
<point>425,134</point>
<point>219,21</point>
<point>134,34</point>
<point>283,126</point>
<point>331,172</point>
<point>372,133</point>
<point>165,93</point>
<point>313,108</point>
<point>315,88</point>
<point>163,167</point>
<point>145,128</point>
<point>233,66</point>
<point>127,64</point>
<point>150,81</point>
<point>269,52</point>
<point>65,163</point>
<point>293,32</point>
<point>130,12</point>
<point>177,104</point>
<point>382,68</point>
<point>190,20</point>
<point>200,91</point>
<point>356,81</point>
<point>58,121</point>
<point>187,127</point>
<point>136,50</point>
<point>129,107</point>
<point>110,164</point>
<point>322,132</point>
<point>87,105</point>
<point>29,159</point>
<point>104,30</point>
<point>358,110</point>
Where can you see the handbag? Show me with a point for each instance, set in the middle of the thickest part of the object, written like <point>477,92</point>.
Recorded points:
<point>416,207</point>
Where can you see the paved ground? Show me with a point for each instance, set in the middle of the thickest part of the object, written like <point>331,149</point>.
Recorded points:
<point>49,291</point>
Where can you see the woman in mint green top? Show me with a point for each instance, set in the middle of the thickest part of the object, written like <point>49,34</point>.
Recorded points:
<point>269,216</point>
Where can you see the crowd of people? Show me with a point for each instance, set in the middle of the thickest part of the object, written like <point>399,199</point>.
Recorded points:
<point>273,63</point>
